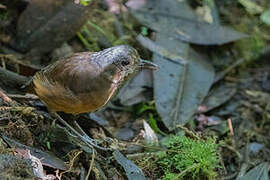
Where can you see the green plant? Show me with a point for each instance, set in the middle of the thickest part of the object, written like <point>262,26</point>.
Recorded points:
<point>189,159</point>
<point>146,106</point>
<point>153,124</point>
<point>85,2</point>
<point>144,31</point>
<point>150,109</point>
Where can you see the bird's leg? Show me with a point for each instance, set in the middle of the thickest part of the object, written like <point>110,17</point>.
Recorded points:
<point>81,131</point>
<point>84,137</point>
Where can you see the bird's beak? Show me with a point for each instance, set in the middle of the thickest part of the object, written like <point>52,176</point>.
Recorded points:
<point>147,65</point>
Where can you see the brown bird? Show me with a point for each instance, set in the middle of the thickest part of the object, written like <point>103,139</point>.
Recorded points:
<point>86,81</point>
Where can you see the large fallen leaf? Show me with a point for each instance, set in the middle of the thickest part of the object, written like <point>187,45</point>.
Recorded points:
<point>218,96</point>
<point>260,172</point>
<point>184,76</point>
<point>183,27</point>
<point>171,8</point>
<point>181,82</point>
<point>133,172</point>
<point>46,158</point>
<point>133,92</point>
<point>179,89</point>
<point>45,25</point>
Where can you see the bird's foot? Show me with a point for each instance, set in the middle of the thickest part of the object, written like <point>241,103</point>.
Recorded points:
<point>91,143</point>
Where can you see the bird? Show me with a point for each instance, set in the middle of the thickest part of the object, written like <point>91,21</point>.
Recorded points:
<point>86,81</point>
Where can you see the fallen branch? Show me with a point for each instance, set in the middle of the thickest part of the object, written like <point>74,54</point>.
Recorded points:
<point>10,78</point>
<point>4,97</point>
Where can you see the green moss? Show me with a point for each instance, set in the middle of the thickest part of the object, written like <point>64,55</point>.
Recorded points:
<point>250,48</point>
<point>189,159</point>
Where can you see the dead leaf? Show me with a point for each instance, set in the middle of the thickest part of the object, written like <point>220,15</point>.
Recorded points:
<point>47,159</point>
<point>260,172</point>
<point>179,85</point>
<point>45,25</point>
<point>183,27</point>
<point>132,171</point>
<point>218,96</point>
<point>184,76</point>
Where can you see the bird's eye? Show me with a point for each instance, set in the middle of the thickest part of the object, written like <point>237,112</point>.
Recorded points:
<point>125,63</point>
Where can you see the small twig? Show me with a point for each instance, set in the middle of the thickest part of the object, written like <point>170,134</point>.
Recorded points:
<point>246,161</point>
<point>26,96</point>
<point>5,97</point>
<point>222,74</point>
<point>222,162</point>
<point>180,90</point>
<point>233,150</point>
<point>254,107</point>
<point>231,176</point>
<point>186,170</point>
<point>158,149</point>
<point>230,126</point>
<point>71,164</point>
<point>142,155</point>
<point>91,165</point>
<point>9,77</point>
<point>17,108</point>
<point>191,133</point>
<point>16,58</point>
